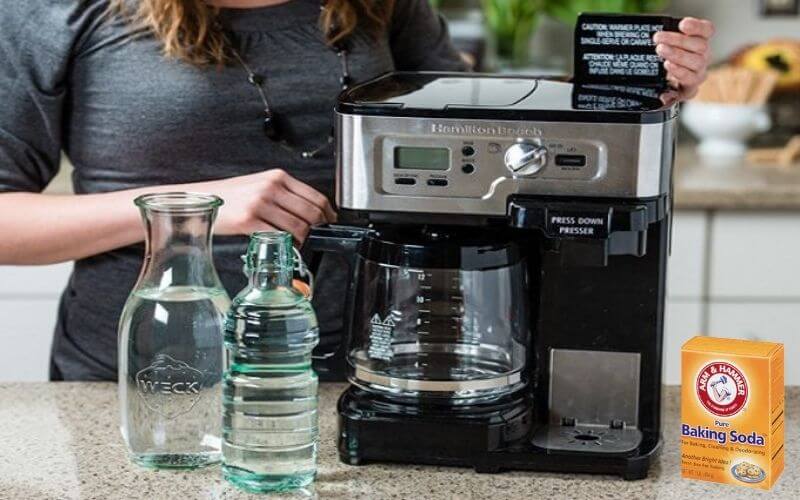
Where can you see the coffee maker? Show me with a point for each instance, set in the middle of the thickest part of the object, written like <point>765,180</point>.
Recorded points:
<point>507,249</point>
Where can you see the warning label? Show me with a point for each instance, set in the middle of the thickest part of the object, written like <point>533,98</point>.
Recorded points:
<point>620,49</point>
<point>623,34</point>
<point>623,64</point>
<point>380,337</point>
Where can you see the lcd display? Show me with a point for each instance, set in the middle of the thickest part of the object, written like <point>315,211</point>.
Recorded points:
<point>421,158</point>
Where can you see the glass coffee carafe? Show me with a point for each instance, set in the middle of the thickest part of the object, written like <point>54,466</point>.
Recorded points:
<point>170,338</point>
<point>439,314</point>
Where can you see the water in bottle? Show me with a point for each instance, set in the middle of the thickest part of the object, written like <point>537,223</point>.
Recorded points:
<point>170,338</point>
<point>269,388</point>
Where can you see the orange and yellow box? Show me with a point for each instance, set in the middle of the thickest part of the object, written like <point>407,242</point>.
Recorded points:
<point>732,400</point>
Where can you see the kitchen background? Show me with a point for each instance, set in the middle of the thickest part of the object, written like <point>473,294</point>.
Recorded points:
<point>735,267</point>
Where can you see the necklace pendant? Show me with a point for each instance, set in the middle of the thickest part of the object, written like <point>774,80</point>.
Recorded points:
<point>271,127</point>
<point>255,79</point>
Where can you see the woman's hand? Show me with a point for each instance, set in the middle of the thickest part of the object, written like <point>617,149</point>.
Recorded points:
<point>268,200</point>
<point>686,56</point>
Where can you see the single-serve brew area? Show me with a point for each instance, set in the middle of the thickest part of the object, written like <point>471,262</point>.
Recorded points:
<point>549,250</point>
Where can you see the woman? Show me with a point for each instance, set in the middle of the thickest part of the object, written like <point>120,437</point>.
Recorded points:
<point>166,95</point>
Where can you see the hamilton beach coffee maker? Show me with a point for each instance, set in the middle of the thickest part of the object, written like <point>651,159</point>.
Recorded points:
<point>508,258</point>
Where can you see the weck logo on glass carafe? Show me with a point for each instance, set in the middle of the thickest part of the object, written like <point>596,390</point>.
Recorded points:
<point>169,387</point>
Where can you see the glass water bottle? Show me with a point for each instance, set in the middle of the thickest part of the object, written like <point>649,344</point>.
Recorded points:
<point>170,338</point>
<point>270,391</point>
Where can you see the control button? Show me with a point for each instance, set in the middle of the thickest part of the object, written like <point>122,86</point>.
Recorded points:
<point>468,168</point>
<point>406,181</point>
<point>494,147</point>
<point>525,158</point>
<point>468,151</point>
<point>571,160</point>
<point>437,182</point>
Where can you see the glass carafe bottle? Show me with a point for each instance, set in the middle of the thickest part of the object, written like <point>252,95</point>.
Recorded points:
<point>270,390</point>
<point>170,338</point>
<point>439,315</point>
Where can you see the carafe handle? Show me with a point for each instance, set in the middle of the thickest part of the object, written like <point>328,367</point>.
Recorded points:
<point>344,241</point>
<point>333,239</point>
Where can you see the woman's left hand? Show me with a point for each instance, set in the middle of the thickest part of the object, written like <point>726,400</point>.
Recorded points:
<point>686,55</point>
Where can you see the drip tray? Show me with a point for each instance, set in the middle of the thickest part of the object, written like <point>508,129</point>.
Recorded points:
<point>587,438</point>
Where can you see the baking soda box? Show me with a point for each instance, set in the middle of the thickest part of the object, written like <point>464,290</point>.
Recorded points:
<point>732,398</point>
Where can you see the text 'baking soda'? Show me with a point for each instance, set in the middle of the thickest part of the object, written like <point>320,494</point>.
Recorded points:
<point>732,399</point>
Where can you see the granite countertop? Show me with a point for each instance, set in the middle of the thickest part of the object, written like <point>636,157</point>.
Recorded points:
<point>738,186</point>
<point>61,440</point>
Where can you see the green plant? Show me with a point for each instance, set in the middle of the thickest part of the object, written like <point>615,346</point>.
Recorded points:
<point>567,10</point>
<point>512,23</point>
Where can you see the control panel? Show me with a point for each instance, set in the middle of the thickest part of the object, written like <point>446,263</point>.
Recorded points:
<point>471,167</point>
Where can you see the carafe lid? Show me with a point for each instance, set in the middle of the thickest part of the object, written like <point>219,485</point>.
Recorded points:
<point>441,247</point>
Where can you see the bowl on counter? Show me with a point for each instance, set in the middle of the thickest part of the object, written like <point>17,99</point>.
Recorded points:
<point>724,129</point>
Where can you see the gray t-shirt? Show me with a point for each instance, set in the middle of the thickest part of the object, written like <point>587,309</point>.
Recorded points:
<point>127,117</point>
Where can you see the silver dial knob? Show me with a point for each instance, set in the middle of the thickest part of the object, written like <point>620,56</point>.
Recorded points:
<point>525,158</point>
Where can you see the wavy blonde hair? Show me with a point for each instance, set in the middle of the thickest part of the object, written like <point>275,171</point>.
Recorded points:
<point>187,28</point>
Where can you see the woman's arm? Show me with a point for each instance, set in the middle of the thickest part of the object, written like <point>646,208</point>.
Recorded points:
<point>37,43</point>
<point>44,228</point>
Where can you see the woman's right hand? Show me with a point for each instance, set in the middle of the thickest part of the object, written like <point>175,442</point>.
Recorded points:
<point>268,200</point>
